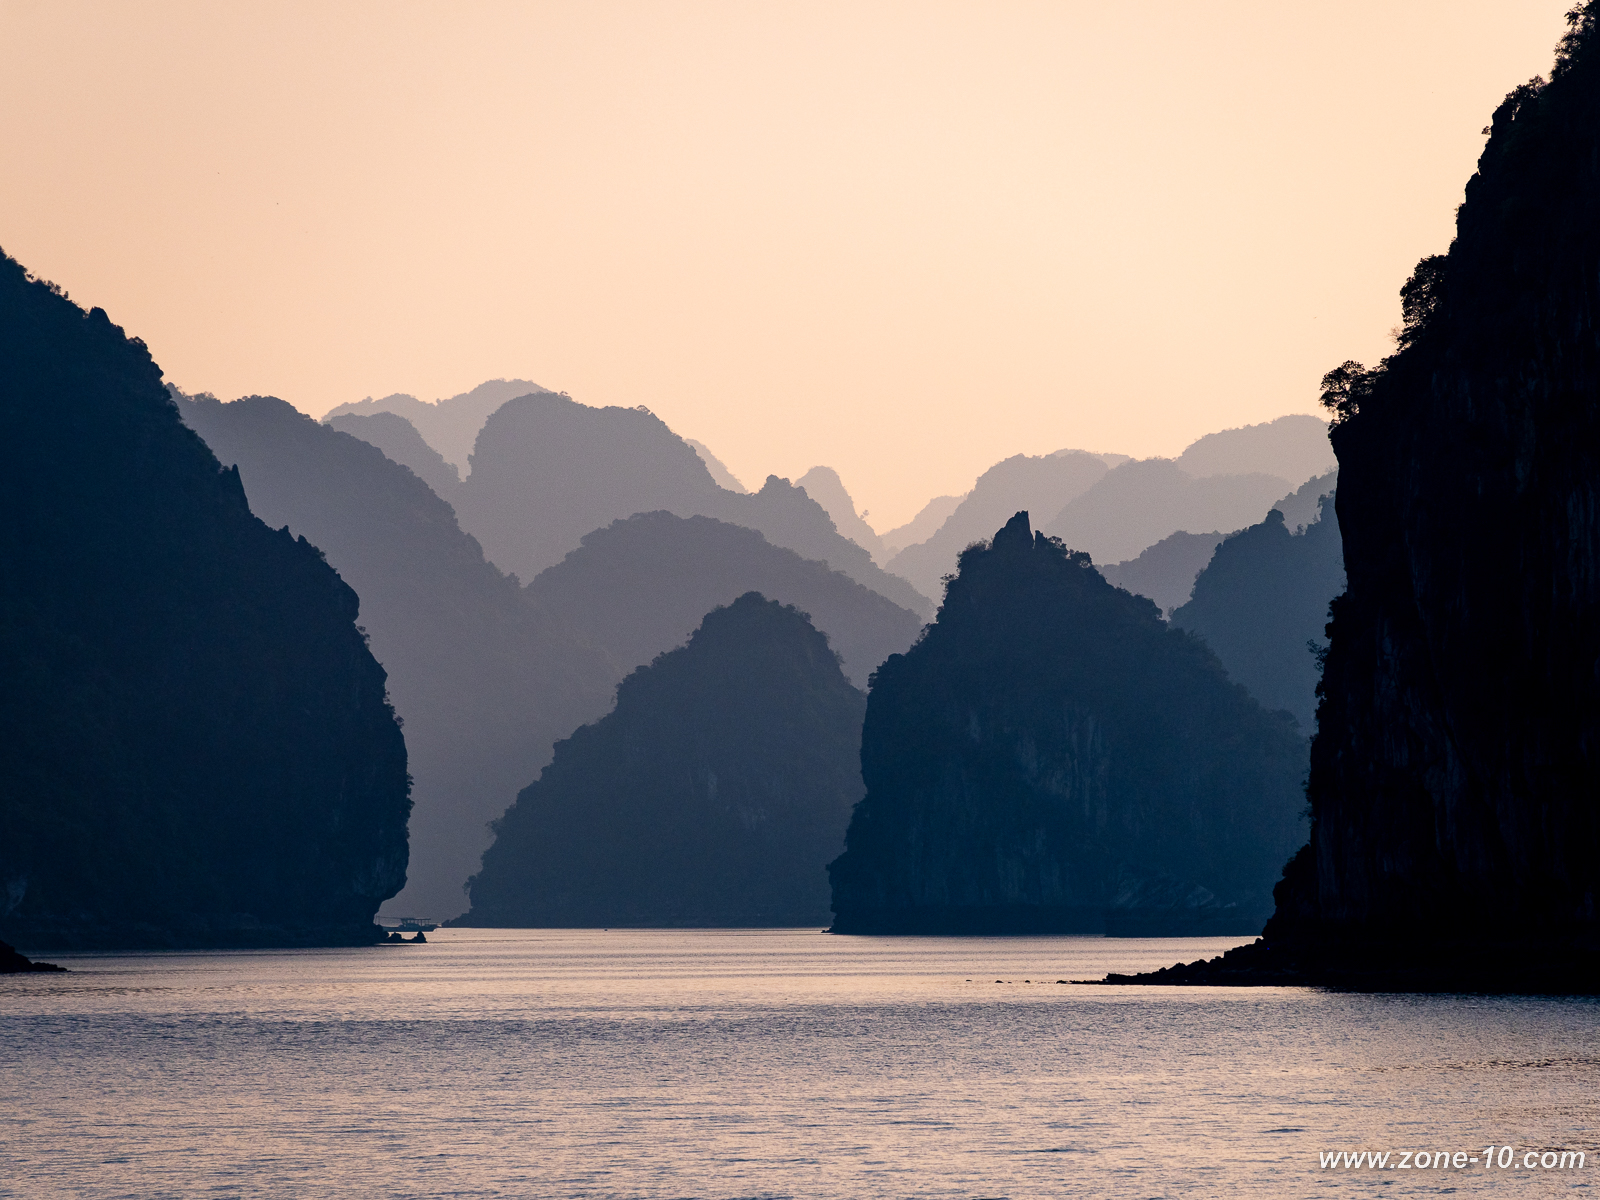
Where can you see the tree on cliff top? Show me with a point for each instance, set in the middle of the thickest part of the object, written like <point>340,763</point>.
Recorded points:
<point>1452,779</point>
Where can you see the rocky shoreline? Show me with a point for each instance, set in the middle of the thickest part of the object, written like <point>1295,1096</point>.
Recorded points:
<point>12,963</point>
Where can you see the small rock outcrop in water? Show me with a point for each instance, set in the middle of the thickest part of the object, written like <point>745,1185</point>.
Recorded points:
<point>1453,776</point>
<point>12,963</point>
<point>1050,757</point>
<point>197,746</point>
<point>714,794</point>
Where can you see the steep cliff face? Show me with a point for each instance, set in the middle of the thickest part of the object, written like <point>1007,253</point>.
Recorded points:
<point>1454,777</point>
<point>714,793</point>
<point>195,745</point>
<point>1050,757</point>
<point>1454,772</point>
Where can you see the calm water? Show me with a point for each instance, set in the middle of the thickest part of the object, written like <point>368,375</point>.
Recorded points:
<point>761,1064</point>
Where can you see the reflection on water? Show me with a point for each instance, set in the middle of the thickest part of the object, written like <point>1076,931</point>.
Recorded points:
<point>760,1063</point>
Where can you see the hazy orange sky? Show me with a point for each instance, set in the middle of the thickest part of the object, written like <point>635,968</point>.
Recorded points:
<point>904,240</point>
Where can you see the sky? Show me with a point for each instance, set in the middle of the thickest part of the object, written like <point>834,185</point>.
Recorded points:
<point>904,240</point>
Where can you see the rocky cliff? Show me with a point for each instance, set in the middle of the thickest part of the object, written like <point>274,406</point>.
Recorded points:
<point>195,745</point>
<point>1051,757</point>
<point>1454,773</point>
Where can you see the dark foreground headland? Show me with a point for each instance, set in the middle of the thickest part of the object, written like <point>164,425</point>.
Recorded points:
<point>1453,774</point>
<point>12,963</point>
<point>198,746</point>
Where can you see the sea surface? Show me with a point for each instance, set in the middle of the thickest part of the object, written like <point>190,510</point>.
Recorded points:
<point>766,1063</point>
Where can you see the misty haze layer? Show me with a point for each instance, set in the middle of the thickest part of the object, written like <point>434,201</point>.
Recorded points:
<point>1165,572</point>
<point>713,794</point>
<point>1262,603</point>
<point>1114,508</point>
<point>450,425</point>
<point>824,486</point>
<point>400,442</point>
<point>641,586</point>
<point>548,470</point>
<point>198,749</point>
<point>484,680</point>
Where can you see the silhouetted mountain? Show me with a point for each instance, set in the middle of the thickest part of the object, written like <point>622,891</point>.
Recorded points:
<point>1139,503</point>
<point>714,793</point>
<point>1165,572</point>
<point>1051,757</point>
<point>12,963</point>
<point>196,745</point>
<point>484,680</point>
<point>451,425</point>
<point>921,527</point>
<point>640,587</point>
<point>400,442</point>
<point>1458,740</point>
<point>548,470</point>
<point>1042,484</point>
<point>1304,505</point>
<point>824,486</point>
<point>1262,599</point>
<point>1292,447</point>
<point>719,471</point>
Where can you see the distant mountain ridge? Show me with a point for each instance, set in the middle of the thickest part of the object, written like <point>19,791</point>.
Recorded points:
<point>1117,510</point>
<point>1291,447</point>
<point>450,425</point>
<point>1262,598</point>
<point>546,470</point>
<point>824,486</point>
<point>1141,502</point>
<point>399,440</point>
<point>1043,483</point>
<point>1165,572</point>
<point>641,585</point>
<point>485,681</point>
